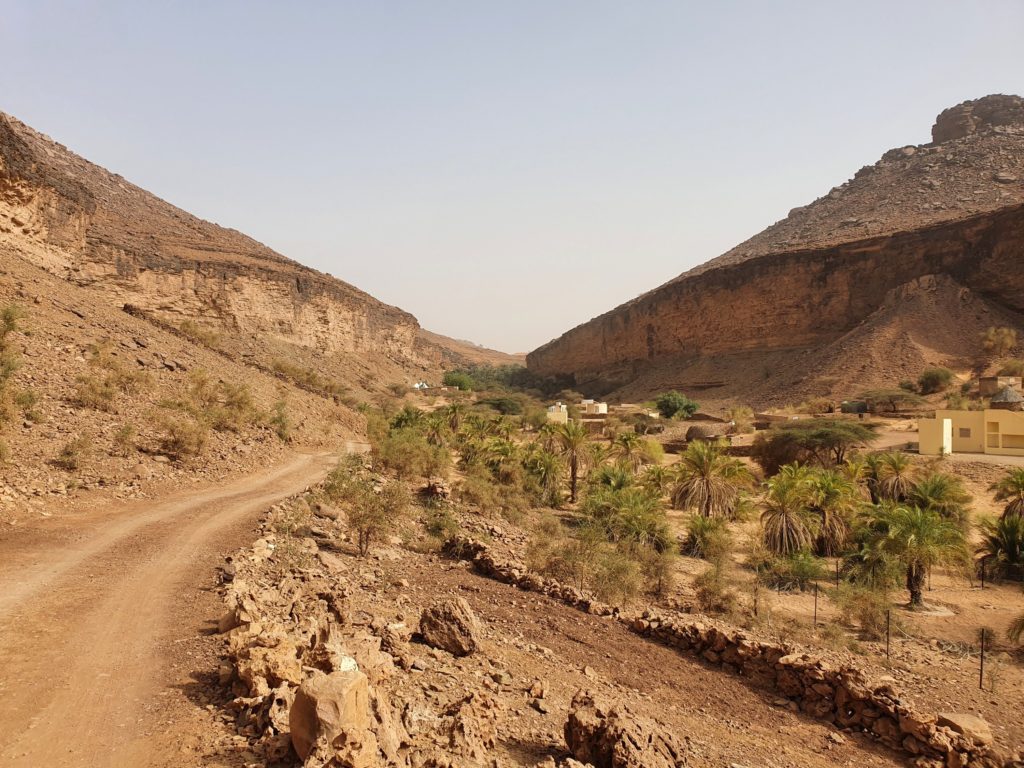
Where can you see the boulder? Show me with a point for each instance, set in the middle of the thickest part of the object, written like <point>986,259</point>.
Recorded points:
<point>451,626</point>
<point>613,737</point>
<point>329,711</point>
<point>973,727</point>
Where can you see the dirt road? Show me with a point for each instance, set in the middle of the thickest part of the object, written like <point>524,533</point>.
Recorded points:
<point>90,604</point>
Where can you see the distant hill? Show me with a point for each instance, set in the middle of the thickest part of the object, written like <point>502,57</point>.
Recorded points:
<point>91,227</point>
<point>900,267</point>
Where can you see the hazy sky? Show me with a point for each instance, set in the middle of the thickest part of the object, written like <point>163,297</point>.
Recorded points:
<point>502,170</point>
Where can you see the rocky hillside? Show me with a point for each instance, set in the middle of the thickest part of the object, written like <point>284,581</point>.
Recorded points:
<point>91,227</point>
<point>762,320</point>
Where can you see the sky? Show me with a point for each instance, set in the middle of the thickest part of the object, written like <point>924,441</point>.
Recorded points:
<point>503,170</point>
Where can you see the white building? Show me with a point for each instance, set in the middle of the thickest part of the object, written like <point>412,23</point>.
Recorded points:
<point>558,413</point>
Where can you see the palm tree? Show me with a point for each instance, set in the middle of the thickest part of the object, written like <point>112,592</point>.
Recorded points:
<point>709,480</point>
<point>455,413</point>
<point>918,539</point>
<point>436,429</point>
<point>657,478</point>
<point>546,467</point>
<point>1002,542</point>
<point>614,476</point>
<point>628,447</point>
<point>573,439</point>
<point>787,518</point>
<point>895,476</point>
<point>834,498</point>
<point>1011,490</point>
<point>941,493</point>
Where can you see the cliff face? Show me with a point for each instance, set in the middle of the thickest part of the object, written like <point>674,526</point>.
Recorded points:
<point>954,209</point>
<point>89,226</point>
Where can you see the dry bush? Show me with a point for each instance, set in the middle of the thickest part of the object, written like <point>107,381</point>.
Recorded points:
<point>5,452</point>
<point>124,440</point>
<point>308,377</point>
<point>616,577</point>
<point>72,455</point>
<point>182,437</point>
<point>93,391</point>
<point>864,607</point>
<point>816,405</point>
<point>200,333</point>
<point>713,594</point>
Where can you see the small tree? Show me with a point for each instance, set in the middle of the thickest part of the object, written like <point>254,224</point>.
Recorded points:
<point>674,404</point>
<point>894,399</point>
<point>824,442</point>
<point>377,512</point>
<point>934,380</point>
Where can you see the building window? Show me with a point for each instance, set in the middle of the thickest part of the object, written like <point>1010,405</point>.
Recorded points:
<point>965,431</point>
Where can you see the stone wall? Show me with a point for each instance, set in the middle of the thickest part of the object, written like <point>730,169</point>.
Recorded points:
<point>844,696</point>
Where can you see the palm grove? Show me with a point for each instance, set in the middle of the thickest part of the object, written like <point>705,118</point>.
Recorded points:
<point>599,508</point>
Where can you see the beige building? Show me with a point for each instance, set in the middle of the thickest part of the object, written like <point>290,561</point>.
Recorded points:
<point>994,430</point>
<point>593,408</point>
<point>558,413</point>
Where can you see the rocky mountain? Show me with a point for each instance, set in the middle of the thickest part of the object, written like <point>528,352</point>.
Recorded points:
<point>89,226</point>
<point>897,268</point>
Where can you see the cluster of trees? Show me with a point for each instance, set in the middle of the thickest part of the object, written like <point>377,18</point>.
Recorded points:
<point>497,378</point>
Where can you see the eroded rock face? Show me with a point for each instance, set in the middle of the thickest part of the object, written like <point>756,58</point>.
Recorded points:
<point>953,210</point>
<point>974,116</point>
<point>451,626</point>
<point>612,737</point>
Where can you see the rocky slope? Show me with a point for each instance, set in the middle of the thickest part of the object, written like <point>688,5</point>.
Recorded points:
<point>91,227</point>
<point>953,209</point>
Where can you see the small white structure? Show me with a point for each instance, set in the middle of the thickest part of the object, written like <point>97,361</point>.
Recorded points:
<point>593,408</point>
<point>558,413</point>
<point>421,385</point>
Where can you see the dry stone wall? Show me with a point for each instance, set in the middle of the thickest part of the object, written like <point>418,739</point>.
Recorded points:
<point>844,696</point>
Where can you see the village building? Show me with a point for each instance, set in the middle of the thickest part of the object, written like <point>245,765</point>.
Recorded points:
<point>558,413</point>
<point>998,429</point>
<point>989,386</point>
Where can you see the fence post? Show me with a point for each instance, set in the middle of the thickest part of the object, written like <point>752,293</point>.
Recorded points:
<point>981,665</point>
<point>815,603</point>
<point>888,631</point>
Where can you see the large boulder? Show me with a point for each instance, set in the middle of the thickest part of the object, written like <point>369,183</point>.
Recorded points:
<point>613,737</point>
<point>330,717</point>
<point>973,727</point>
<point>451,626</point>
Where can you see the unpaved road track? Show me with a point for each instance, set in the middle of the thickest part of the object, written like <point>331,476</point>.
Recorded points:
<point>88,602</point>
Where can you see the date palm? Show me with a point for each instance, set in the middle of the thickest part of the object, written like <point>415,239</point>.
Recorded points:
<point>1011,490</point>
<point>919,539</point>
<point>573,440</point>
<point>1002,543</point>
<point>787,520</point>
<point>895,476</point>
<point>941,493</point>
<point>628,447</point>
<point>834,499</point>
<point>547,468</point>
<point>709,480</point>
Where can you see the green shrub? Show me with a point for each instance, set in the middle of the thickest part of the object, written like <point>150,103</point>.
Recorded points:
<point>441,523</point>
<point>823,442</point>
<point>707,538</point>
<point>408,454</point>
<point>459,380</point>
<point>674,404</point>
<point>616,577</point>
<point>788,573</point>
<point>908,386</point>
<point>934,380</point>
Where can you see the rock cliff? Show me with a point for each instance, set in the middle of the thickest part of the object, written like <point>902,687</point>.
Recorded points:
<point>761,317</point>
<point>91,227</point>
